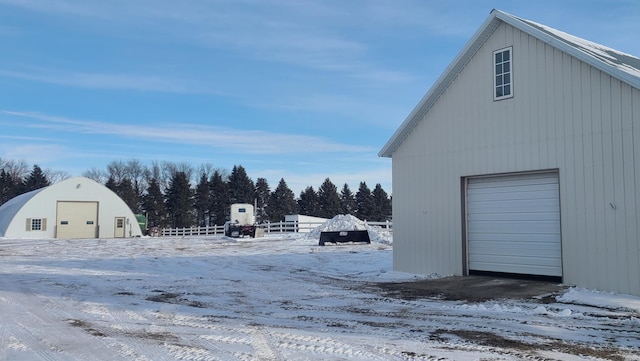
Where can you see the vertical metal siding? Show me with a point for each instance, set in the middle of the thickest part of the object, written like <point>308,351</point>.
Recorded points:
<point>565,115</point>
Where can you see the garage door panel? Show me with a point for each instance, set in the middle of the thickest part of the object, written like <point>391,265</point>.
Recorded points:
<point>513,224</point>
<point>514,227</point>
<point>516,181</point>
<point>530,269</point>
<point>517,261</point>
<point>493,193</point>
<point>513,216</point>
<point>502,200</point>
<point>534,200</point>
<point>533,211</point>
<point>513,186</point>
<point>521,238</point>
<point>483,264</point>
<point>539,205</point>
<point>542,250</point>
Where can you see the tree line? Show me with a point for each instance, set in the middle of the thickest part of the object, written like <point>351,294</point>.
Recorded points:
<point>179,195</point>
<point>16,179</point>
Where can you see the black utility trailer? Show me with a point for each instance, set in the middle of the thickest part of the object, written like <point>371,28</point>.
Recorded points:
<point>344,237</point>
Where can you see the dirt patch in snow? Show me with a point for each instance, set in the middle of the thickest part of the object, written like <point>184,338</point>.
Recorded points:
<point>473,289</point>
<point>86,327</point>
<point>491,339</point>
<point>175,298</point>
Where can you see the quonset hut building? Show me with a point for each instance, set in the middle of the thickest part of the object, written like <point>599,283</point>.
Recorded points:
<point>73,208</point>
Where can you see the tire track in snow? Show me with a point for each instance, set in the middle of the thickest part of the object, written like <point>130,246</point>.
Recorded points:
<point>119,326</point>
<point>64,330</point>
<point>322,347</point>
<point>4,344</point>
<point>18,317</point>
<point>266,343</point>
<point>8,341</point>
<point>225,343</point>
<point>34,342</point>
<point>200,340</point>
<point>264,351</point>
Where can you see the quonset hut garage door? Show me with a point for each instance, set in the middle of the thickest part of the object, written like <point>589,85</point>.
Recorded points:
<point>77,220</point>
<point>513,224</point>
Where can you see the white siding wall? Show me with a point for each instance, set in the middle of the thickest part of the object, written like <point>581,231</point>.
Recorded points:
<point>564,115</point>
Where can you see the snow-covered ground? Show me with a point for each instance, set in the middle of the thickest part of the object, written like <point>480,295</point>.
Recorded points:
<point>274,298</point>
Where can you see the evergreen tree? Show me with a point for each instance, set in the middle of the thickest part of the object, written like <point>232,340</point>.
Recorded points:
<point>382,204</point>
<point>9,187</point>
<point>262,200</point>
<point>347,200</point>
<point>179,200</point>
<point>112,184</point>
<point>328,199</point>
<point>202,201</point>
<point>219,192</point>
<point>308,202</point>
<point>35,180</point>
<point>154,206</point>
<point>126,191</point>
<point>241,187</point>
<point>282,202</point>
<point>364,202</point>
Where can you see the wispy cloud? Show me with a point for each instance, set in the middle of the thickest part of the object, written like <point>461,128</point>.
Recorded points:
<point>282,55</point>
<point>34,152</point>
<point>364,112</point>
<point>25,138</point>
<point>300,34</point>
<point>107,80</point>
<point>53,6</point>
<point>242,141</point>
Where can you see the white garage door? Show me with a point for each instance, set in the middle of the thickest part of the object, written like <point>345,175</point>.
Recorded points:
<point>513,224</point>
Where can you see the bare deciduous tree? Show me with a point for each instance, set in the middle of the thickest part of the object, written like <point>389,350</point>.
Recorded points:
<point>136,174</point>
<point>207,169</point>
<point>97,175</point>
<point>16,169</point>
<point>117,170</point>
<point>55,176</point>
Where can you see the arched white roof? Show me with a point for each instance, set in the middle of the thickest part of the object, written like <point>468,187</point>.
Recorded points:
<point>42,204</point>
<point>9,209</point>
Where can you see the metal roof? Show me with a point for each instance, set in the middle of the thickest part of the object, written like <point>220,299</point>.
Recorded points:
<point>619,65</point>
<point>9,209</point>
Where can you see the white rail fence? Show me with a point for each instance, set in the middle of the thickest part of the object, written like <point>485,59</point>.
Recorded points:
<point>269,227</point>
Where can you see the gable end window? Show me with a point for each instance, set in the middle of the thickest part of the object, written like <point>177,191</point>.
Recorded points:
<point>502,74</point>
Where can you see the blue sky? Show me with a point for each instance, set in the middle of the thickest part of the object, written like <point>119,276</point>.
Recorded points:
<point>293,89</point>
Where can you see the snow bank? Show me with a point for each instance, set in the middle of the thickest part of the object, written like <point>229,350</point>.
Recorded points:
<point>347,222</point>
<point>601,299</point>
